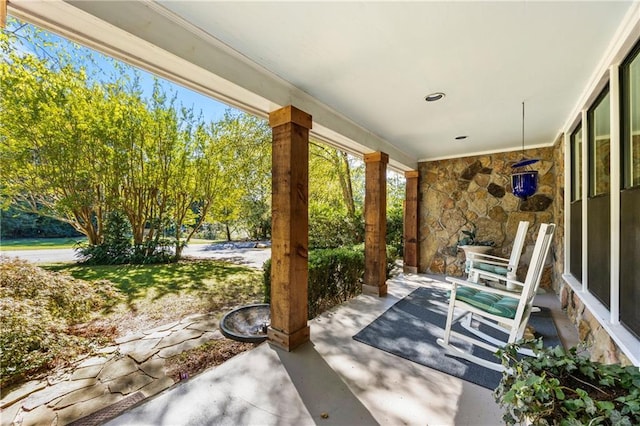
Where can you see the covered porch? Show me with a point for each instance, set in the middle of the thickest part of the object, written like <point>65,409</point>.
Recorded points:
<point>367,97</point>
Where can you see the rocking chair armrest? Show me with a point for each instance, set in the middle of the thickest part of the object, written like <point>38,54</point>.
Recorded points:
<point>490,262</point>
<point>497,277</point>
<point>479,256</point>
<point>464,283</point>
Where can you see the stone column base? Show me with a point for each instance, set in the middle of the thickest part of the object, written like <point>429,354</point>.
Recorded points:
<point>375,290</point>
<point>410,269</point>
<point>288,342</point>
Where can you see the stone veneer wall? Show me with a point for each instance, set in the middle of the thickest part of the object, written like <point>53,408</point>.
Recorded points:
<point>600,345</point>
<point>458,192</point>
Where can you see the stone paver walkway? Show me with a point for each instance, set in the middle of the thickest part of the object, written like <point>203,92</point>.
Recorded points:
<point>130,370</point>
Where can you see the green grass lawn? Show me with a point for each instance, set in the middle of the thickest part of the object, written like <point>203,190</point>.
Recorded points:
<point>59,243</point>
<point>200,241</point>
<point>40,243</point>
<point>170,291</point>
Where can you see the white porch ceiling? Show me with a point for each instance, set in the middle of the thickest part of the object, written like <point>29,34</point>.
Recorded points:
<point>362,69</point>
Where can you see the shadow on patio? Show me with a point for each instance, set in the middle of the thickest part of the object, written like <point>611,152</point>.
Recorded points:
<point>334,380</point>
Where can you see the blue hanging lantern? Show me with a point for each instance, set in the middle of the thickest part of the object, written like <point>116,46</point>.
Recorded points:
<point>524,180</point>
<point>524,184</point>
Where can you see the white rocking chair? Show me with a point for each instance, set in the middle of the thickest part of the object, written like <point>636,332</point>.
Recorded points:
<point>505,311</point>
<point>494,268</point>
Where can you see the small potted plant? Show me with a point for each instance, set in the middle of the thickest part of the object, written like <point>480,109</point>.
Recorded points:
<point>558,387</point>
<point>470,243</point>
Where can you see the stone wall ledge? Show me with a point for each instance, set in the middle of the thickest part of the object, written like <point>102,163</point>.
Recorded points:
<point>616,344</point>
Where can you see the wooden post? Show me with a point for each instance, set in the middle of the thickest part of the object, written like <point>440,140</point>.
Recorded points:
<point>290,227</point>
<point>375,224</point>
<point>3,14</point>
<point>411,237</point>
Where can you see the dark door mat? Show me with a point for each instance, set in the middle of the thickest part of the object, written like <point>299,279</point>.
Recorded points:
<point>108,413</point>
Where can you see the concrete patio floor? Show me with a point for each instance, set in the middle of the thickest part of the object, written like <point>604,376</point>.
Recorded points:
<point>333,380</point>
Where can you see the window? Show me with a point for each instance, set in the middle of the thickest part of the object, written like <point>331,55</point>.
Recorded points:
<point>599,202</point>
<point>631,120</point>
<point>607,217</point>
<point>599,141</point>
<point>576,164</point>
<point>630,194</point>
<point>575,210</point>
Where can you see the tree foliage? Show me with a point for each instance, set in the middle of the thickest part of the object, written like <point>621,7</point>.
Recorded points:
<point>335,210</point>
<point>246,202</point>
<point>16,223</point>
<point>78,146</point>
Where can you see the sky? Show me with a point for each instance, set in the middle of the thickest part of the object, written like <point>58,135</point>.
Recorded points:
<point>212,109</point>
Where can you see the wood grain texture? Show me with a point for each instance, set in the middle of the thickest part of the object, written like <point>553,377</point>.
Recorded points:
<point>411,226</point>
<point>290,229</point>
<point>3,14</point>
<point>375,224</point>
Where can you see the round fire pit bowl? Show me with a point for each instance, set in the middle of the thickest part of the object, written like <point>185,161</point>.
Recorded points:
<point>247,323</point>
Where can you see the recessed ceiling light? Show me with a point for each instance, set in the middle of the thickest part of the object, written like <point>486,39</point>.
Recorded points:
<point>459,138</point>
<point>435,96</point>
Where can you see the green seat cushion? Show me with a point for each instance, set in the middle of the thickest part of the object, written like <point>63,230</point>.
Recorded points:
<point>496,304</point>
<point>491,268</point>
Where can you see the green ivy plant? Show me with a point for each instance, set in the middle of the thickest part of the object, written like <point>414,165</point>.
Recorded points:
<point>558,387</point>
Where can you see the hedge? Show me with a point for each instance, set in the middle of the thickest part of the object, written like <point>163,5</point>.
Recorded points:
<point>335,276</point>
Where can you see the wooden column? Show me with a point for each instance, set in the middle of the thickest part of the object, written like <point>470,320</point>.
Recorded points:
<point>411,240</point>
<point>290,227</point>
<point>375,224</point>
<point>3,13</point>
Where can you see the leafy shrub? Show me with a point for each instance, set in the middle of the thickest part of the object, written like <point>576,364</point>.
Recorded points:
<point>37,310</point>
<point>330,228</point>
<point>395,228</point>
<point>392,256</point>
<point>116,248</point>
<point>335,276</point>
<point>558,387</point>
<point>150,252</point>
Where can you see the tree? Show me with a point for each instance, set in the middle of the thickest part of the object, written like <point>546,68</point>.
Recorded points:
<point>50,166</point>
<point>16,223</point>
<point>335,216</point>
<point>395,210</point>
<point>75,147</point>
<point>246,158</point>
